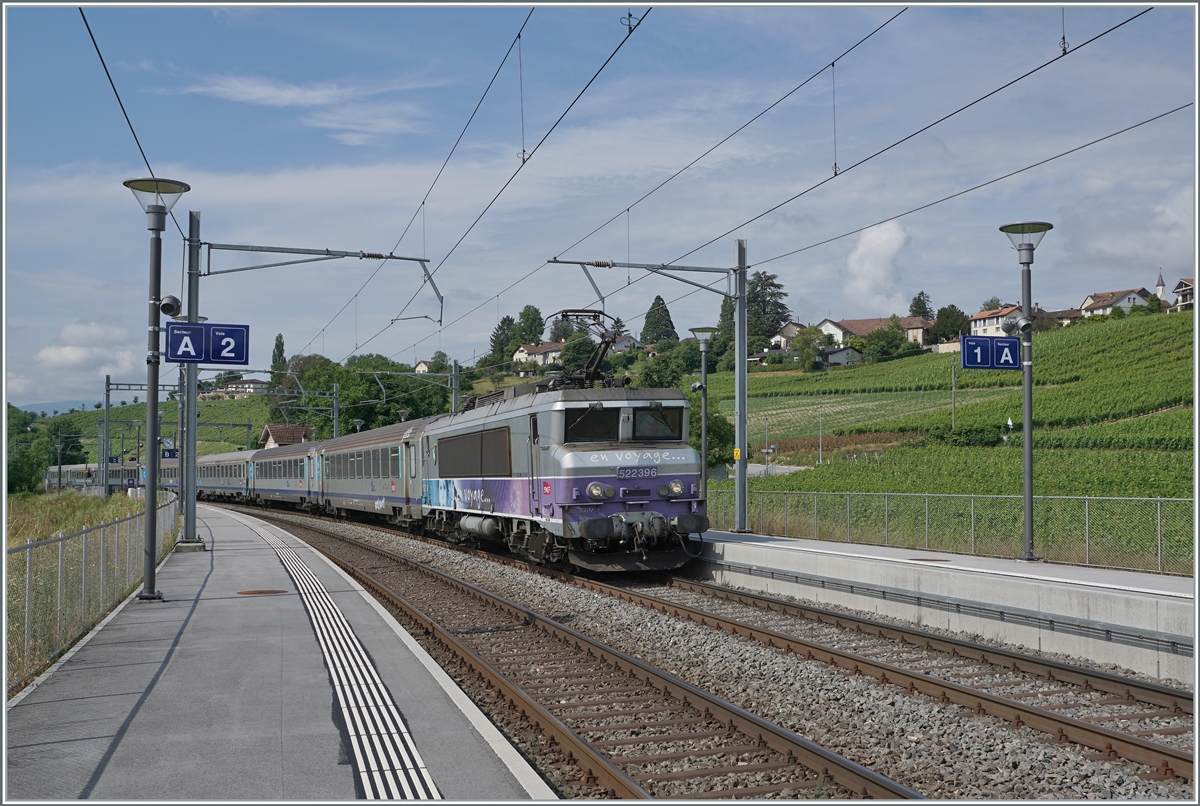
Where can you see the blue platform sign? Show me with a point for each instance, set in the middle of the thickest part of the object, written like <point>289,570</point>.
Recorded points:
<point>170,453</point>
<point>990,352</point>
<point>208,343</point>
<point>114,460</point>
<point>185,343</point>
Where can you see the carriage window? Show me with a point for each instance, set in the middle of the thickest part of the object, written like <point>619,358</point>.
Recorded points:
<point>658,424</point>
<point>394,462</point>
<point>375,464</point>
<point>593,425</point>
<point>358,464</point>
<point>412,461</point>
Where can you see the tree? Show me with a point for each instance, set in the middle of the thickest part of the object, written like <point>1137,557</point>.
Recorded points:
<point>766,311</point>
<point>886,341</point>
<point>227,377</point>
<point>921,306</point>
<point>1117,312</point>
<point>97,404</point>
<point>502,336</point>
<point>951,322</point>
<point>992,304</point>
<point>724,338</point>
<point>721,434</point>
<point>619,329</point>
<point>561,329</point>
<point>135,397</point>
<point>529,326</point>
<point>808,345</point>
<point>441,362</point>
<point>662,372</point>
<point>277,355</point>
<point>658,324</point>
<point>577,351</point>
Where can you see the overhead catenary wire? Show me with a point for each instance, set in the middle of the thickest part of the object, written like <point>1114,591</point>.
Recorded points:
<point>662,184</point>
<point>827,179</point>
<point>509,181</point>
<point>121,104</point>
<point>424,199</point>
<point>730,136</point>
<point>907,137</point>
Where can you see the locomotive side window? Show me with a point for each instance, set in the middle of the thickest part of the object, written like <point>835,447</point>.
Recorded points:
<point>476,455</point>
<point>593,425</point>
<point>497,459</point>
<point>412,461</point>
<point>658,424</point>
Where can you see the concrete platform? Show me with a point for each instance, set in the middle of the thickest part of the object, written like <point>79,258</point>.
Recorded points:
<point>214,693</point>
<point>1144,622</point>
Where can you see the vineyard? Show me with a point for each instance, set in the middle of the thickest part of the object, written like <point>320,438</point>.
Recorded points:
<point>1113,415</point>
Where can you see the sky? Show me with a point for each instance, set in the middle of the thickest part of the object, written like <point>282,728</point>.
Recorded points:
<point>328,128</point>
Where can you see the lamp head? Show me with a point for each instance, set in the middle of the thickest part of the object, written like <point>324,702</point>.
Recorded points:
<point>157,197</point>
<point>697,386</point>
<point>1030,232</point>
<point>704,336</point>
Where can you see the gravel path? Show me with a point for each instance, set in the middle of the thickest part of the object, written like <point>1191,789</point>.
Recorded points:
<point>927,746</point>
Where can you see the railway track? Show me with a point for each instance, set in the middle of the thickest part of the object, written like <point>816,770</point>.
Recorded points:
<point>1108,713</point>
<point>628,728</point>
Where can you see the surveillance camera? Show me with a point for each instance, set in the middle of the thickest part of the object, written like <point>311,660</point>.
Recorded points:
<point>171,306</point>
<point>1008,325</point>
<point>697,386</point>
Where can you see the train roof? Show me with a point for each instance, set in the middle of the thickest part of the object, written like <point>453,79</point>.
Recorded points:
<point>231,456</point>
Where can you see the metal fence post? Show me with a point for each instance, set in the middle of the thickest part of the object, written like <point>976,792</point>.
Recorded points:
<point>761,497</point>
<point>28,602</point>
<point>1159,535</point>
<point>785,498</point>
<point>59,598</point>
<point>972,523</point>
<point>885,519</point>
<point>83,585</point>
<point>926,520</point>
<point>816,523</point>
<point>847,517</point>
<point>103,562</point>
<point>1087,533</point>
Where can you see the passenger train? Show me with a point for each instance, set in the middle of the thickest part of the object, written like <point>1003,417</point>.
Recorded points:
<point>580,470</point>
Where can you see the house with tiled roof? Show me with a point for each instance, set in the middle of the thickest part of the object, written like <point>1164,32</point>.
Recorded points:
<point>275,435</point>
<point>1103,302</point>
<point>987,323</point>
<point>543,353</point>
<point>915,328</point>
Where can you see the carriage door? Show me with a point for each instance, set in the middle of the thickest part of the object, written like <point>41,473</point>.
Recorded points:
<point>535,475</point>
<point>410,485</point>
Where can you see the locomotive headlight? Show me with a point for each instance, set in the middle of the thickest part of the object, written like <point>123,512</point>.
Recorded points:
<point>595,490</point>
<point>676,487</point>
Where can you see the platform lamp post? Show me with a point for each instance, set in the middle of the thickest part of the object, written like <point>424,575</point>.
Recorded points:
<point>704,337</point>
<point>1025,237</point>
<point>157,197</point>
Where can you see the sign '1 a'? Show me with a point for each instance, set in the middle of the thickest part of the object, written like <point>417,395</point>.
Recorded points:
<point>990,352</point>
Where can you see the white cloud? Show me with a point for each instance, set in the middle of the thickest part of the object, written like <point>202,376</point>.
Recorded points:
<point>92,346</point>
<point>269,92</point>
<point>872,276</point>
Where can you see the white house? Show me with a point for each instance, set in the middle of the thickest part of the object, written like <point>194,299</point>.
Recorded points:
<point>245,387</point>
<point>987,323</point>
<point>786,335</point>
<point>1104,302</point>
<point>543,353</point>
<point>422,366</point>
<point>841,356</point>
<point>1183,294</point>
<point>624,344</point>
<point>275,435</point>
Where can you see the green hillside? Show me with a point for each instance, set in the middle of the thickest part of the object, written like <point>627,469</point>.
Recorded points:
<point>1112,411</point>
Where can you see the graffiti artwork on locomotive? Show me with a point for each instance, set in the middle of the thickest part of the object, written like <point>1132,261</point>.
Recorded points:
<point>574,469</point>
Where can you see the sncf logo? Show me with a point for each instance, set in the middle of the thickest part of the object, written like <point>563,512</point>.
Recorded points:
<point>546,488</point>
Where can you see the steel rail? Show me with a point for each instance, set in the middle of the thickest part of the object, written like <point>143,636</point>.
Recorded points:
<point>1166,760</point>
<point>1177,700</point>
<point>841,770</point>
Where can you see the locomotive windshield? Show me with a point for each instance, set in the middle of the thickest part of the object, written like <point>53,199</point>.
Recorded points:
<point>593,425</point>
<point>666,424</point>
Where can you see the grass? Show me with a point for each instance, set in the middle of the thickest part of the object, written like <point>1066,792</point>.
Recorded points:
<point>39,516</point>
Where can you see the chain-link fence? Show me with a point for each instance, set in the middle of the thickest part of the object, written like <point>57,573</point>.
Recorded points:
<point>59,588</point>
<point>1138,534</point>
